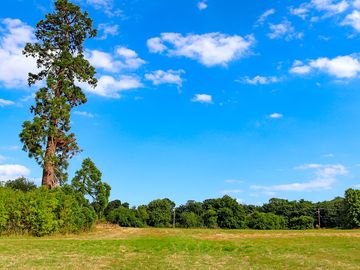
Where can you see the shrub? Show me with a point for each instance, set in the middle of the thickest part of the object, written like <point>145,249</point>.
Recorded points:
<point>190,220</point>
<point>302,223</point>
<point>40,212</point>
<point>265,221</point>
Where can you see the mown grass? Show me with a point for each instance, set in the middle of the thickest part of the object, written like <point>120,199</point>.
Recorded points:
<point>110,247</point>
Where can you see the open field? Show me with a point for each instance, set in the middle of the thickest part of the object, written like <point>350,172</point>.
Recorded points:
<point>112,247</point>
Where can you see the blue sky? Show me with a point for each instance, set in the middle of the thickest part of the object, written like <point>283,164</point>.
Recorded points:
<point>197,99</point>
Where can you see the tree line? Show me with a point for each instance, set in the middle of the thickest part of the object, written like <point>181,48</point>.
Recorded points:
<point>27,209</point>
<point>227,213</point>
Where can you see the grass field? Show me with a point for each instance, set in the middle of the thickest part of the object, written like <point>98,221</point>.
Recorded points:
<point>112,247</point>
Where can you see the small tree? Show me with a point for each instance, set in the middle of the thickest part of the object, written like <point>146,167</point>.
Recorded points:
<point>60,59</point>
<point>87,180</point>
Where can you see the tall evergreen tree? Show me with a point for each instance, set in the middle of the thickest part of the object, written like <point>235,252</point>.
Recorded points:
<point>60,59</point>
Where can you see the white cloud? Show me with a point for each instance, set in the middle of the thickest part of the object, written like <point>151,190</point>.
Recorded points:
<point>276,116</point>
<point>356,4</point>
<point>324,177</point>
<point>340,66</point>
<point>265,15</point>
<point>109,86</point>
<point>12,171</point>
<point>14,67</point>
<point>5,102</point>
<point>85,114</point>
<point>202,98</point>
<point>301,11</point>
<point>209,49</point>
<point>107,6</point>
<point>108,30</point>
<point>299,68</point>
<point>284,30</point>
<point>202,5</point>
<point>353,20</point>
<point>330,7</point>
<point>260,80</point>
<point>155,45</point>
<point>165,77</point>
<point>329,155</point>
<point>122,58</point>
<point>234,181</point>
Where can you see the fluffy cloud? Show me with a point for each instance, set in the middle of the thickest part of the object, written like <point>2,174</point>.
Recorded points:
<point>284,30</point>
<point>260,80</point>
<point>301,11</point>
<point>122,58</point>
<point>356,4</point>
<point>202,98</point>
<point>340,67</point>
<point>209,49</point>
<point>109,86</point>
<point>108,30</point>
<point>330,7</point>
<point>353,19</point>
<point>107,6</point>
<point>14,67</point>
<point>12,171</point>
<point>202,5</point>
<point>165,77</point>
<point>276,116</point>
<point>265,15</point>
<point>5,102</point>
<point>324,177</point>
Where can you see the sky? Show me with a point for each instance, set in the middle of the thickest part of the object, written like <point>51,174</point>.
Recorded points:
<point>198,99</point>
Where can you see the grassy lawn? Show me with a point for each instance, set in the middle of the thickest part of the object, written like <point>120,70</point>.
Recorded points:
<point>111,247</point>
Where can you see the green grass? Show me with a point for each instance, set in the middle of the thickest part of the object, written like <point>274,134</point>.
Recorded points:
<point>110,247</point>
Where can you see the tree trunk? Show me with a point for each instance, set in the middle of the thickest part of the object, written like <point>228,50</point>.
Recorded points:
<point>48,178</point>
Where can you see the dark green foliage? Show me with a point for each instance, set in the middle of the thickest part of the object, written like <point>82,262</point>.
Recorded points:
<point>125,217</point>
<point>332,213</point>
<point>190,215</point>
<point>20,184</point>
<point>230,214</point>
<point>226,213</point>
<point>88,182</point>
<point>60,58</point>
<point>111,206</point>
<point>352,201</point>
<point>190,220</point>
<point>265,221</point>
<point>40,212</point>
<point>210,218</point>
<point>302,223</point>
<point>160,212</point>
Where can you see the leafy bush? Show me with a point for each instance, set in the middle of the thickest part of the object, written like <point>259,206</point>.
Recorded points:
<point>302,223</point>
<point>190,220</point>
<point>40,212</point>
<point>125,217</point>
<point>265,221</point>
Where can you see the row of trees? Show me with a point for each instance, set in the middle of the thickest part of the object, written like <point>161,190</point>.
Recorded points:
<point>24,208</point>
<point>226,212</point>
